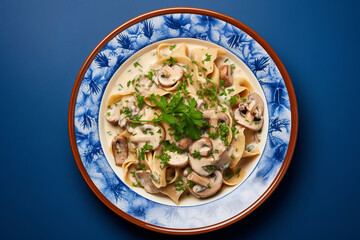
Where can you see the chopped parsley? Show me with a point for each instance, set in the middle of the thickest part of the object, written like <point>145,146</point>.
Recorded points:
<point>150,75</point>
<point>183,88</point>
<point>208,57</point>
<point>230,90</point>
<point>233,66</point>
<point>233,99</point>
<point>146,148</point>
<point>179,184</point>
<point>141,167</point>
<point>193,61</point>
<point>221,82</point>
<point>164,159</point>
<point>189,76</point>
<point>190,183</point>
<point>209,168</point>
<point>171,147</point>
<point>138,184</point>
<point>140,100</point>
<point>234,130</point>
<point>169,61</point>
<point>229,175</point>
<point>172,47</point>
<point>197,154</point>
<point>137,64</point>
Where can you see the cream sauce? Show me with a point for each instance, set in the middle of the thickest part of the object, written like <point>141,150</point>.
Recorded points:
<point>140,63</point>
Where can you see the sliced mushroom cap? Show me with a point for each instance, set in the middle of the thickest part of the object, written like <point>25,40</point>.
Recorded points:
<point>184,143</point>
<point>225,158</point>
<point>225,74</point>
<point>113,114</point>
<point>203,146</point>
<point>214,118</point>
<point>143,85</point>
<point>170,75</point>
<point>144,177</point>
<point>148,133</point>
<point>203,166</point>
<point>119,150</point>
<point>213,184</point>
<point>250,113</point>
<point>203,181</point>
<point>178,160</point>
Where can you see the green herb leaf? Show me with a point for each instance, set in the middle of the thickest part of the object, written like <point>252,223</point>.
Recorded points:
<point>137,64</point>
<point>209,168</point>
<point>179,184</point>
<point>140,100</point>
<point>164,158</point>
<point>169,119</point>
<point>233,99</point>
<point>208,57</point>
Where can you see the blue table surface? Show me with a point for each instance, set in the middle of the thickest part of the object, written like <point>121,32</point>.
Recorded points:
<point>43,44</point>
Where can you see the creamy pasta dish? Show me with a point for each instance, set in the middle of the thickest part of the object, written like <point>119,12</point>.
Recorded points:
<point>184,123</point>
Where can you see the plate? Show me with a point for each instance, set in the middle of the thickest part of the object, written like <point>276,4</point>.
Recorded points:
<point>126,41</point>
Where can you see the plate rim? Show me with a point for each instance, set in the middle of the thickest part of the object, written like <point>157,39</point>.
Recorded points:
<point>293,132</point>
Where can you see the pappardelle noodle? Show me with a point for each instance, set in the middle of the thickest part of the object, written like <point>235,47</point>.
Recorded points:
<point>185,123</point>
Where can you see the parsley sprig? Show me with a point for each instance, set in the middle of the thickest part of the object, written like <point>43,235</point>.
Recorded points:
<point>183,119</point>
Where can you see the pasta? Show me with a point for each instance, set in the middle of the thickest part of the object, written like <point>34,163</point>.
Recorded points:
<point>185,123</point>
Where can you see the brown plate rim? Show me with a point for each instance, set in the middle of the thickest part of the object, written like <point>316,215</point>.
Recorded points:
<point>293,133</point>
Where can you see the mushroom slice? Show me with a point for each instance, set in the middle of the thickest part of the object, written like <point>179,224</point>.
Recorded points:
<point>184,143</point>
<point>113,114</point>
<point>119,150</point>
<point>214,118</point>
<point>170,75</point>
<point>148,133</point>
<point>144,177</point>
<point>203,146</point>
<point>250,113</point>
<point>225,74</point>
<point>213,184</point>
<point>203,181</point>
<point>178,160</point>
<point>203,166</point>
<point>225,158</point>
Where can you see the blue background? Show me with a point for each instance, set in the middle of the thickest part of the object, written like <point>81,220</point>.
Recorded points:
<point>43,44</point>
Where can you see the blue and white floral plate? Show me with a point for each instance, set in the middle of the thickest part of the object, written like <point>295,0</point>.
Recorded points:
<point>153,27</point>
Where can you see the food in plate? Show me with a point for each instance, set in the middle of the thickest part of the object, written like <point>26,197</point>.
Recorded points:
<point>182,120</point>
